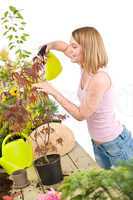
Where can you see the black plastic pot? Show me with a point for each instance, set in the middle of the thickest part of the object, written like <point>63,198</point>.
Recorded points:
<point>49,173</point>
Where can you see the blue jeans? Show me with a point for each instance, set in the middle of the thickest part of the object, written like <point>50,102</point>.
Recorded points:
<point>110,153</point>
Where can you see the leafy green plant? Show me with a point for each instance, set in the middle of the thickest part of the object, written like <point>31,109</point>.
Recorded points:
<point>100,184</point>
<point>13,25</point>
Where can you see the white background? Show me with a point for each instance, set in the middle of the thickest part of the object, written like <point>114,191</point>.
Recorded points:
<point>49,20</point>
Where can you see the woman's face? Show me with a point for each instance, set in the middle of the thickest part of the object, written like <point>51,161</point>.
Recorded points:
<point>76,54</point>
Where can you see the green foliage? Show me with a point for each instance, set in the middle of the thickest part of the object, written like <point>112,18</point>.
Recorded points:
<point>13,25</point>
<point>116,183</point>
<point>4,74</point>
<point>42,108</point>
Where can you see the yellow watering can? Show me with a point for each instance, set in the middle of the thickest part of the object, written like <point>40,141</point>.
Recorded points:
<point>53,66</point>
<point>16,154</point>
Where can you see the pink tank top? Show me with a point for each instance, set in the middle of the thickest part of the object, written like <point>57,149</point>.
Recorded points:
<point>102,124</point>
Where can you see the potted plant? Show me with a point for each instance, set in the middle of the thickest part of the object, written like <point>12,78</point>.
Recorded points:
<point>22,108</point>
<point>47,166</point>
<point>99,184</point>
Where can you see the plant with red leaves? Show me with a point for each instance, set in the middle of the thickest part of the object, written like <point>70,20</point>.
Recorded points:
<point>22,108</point>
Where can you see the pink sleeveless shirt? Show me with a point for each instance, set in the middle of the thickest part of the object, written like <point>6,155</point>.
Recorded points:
<point>102,124</point>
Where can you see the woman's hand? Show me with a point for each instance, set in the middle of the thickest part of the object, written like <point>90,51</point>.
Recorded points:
<point>43,50</point>
<point>44,87</point>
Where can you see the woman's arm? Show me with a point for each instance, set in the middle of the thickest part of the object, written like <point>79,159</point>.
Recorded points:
<point>63,101</point>
<point>70,107</point>
<point>56,45</point>
<point>91,100</point>
<point>95,91</point>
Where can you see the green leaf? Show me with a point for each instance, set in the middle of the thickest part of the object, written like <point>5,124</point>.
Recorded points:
<point>27,52</point>
<point>18,51</point>
<point>5,21</point>
<point>19,15</point>
<point>5,32</point>
<point>13,9</point>
<point>11,47</point>
<point>2,18</point>
<point>23,38</point>
<point>26,34</point>
<point>10,28</point>
<point>21,28</point>
<point>6,13</point>
<point>10,44</point>
<point>6,27</point>
<point>10,37</point>
<point>14,29</point>
<point>23,23</point>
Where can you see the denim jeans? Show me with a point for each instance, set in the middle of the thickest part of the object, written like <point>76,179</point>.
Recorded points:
<point>110,153</point>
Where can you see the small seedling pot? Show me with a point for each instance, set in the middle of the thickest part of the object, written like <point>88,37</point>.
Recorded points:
<point>20,179</point>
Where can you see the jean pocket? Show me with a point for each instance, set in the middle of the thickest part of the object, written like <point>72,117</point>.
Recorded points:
<point>131,143</point>
<point>129,147</point>
<point>113,150</point>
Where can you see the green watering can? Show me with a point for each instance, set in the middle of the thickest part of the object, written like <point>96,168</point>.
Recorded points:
<point>16,154</point>
<point>53,67</point>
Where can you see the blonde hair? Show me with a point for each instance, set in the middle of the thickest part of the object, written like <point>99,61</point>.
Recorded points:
<point>94,53</point>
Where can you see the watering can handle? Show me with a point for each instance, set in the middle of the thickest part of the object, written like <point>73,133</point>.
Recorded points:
<point>10,135</point>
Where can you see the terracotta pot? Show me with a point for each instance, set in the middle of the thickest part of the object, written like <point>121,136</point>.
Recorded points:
<point>5,182</point>
<point>3,173</point>
<point>20,179</point>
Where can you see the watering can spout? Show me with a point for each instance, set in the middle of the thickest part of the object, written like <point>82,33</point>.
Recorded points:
<point>1,162</point>
<point>8,166</point>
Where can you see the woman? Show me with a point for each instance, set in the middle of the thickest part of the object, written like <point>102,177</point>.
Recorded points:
<point>111,140</point>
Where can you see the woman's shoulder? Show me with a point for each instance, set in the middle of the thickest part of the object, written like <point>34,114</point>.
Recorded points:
<point>102,78</point>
